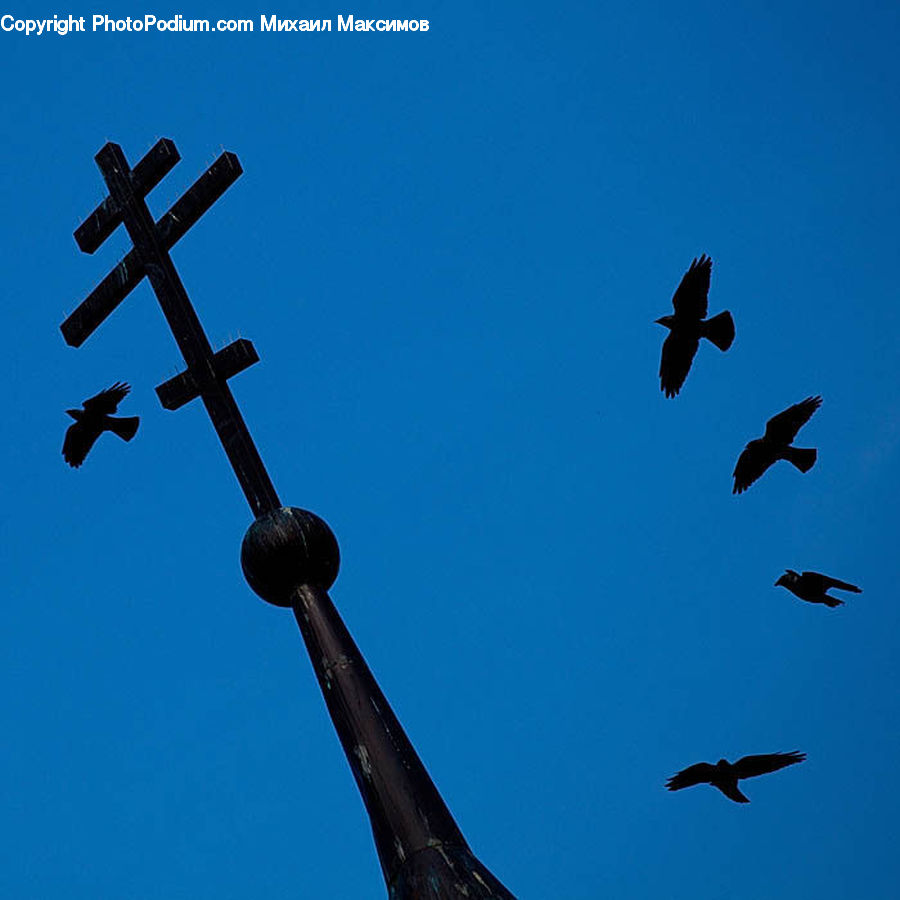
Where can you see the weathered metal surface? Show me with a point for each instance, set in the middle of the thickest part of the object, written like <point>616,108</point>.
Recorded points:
<point>103,221</point>
<point>289,556</point>
<point>421,849</point>
<point>445,873</point>
<point>227,362</point>
<point>170,229</point>
<point>285,548</point>
<point>151,241</point>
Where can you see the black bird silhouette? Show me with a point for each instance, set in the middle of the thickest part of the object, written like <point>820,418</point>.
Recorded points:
<point>93,419</point>
<point>812,587</point>
<point>724,775</point>
<point>775,444</point>
<point>688,325</point>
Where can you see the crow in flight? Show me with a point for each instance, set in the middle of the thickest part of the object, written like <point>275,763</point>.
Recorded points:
<point>812,587</point>
<point>93,419</point>
<point>775,444</point>
<point>688,325</point>
<point>724,775</point>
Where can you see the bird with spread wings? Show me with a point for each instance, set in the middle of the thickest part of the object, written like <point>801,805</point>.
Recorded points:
<point>688,324</point>
<point>725,775</point>
<point>813,587</point>
<point>93,419</point>
<point>775,444</point>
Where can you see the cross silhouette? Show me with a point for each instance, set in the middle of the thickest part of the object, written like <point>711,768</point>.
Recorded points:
<point>289,556</point>
<point>207,373</point>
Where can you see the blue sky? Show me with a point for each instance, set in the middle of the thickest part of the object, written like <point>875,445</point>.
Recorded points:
<point>449,249</point>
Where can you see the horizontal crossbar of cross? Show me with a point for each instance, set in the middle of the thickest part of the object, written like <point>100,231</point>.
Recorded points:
<point>170,229</point>
<point>207,373</point>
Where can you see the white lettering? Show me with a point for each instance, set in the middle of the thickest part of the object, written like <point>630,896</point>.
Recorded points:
<point>149,22</point>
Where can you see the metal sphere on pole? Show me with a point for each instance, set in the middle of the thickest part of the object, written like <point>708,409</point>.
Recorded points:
<point>289,556</point>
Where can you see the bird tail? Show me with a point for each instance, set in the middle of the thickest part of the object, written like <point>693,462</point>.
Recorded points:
<point>720,330</point>
<point>845,586</point>
<point>832,602</point>
<point>733,792</point>
<point>125,428</point>
<point>804,460</point>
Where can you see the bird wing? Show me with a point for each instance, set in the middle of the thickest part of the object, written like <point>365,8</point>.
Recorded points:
<point>677,355</point>
<point>763,763</point>
<point>753,461</point>
<point>106,402</point>
<point>78,441</point>
<point>826,581</point>
<point>690,298</point>
<point>783,428</point>
<point>700,773</point>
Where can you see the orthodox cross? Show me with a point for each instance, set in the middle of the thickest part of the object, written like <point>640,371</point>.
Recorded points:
<point>207,373</point>
<point>289,556</point>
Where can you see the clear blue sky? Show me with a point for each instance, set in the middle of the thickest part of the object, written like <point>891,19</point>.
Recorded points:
<point>449,249</point>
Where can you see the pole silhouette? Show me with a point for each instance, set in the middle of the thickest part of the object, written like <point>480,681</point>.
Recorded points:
<point>289,556</point>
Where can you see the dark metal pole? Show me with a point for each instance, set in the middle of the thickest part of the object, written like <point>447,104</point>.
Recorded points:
<point>423,853</point>
<point>290,556</point>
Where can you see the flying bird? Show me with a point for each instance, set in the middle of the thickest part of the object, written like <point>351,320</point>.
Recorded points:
<point>813,587</point>
<point>93,419</point>
<point>775,444</point>
<point>688,325</point>
<point>725,775</point>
